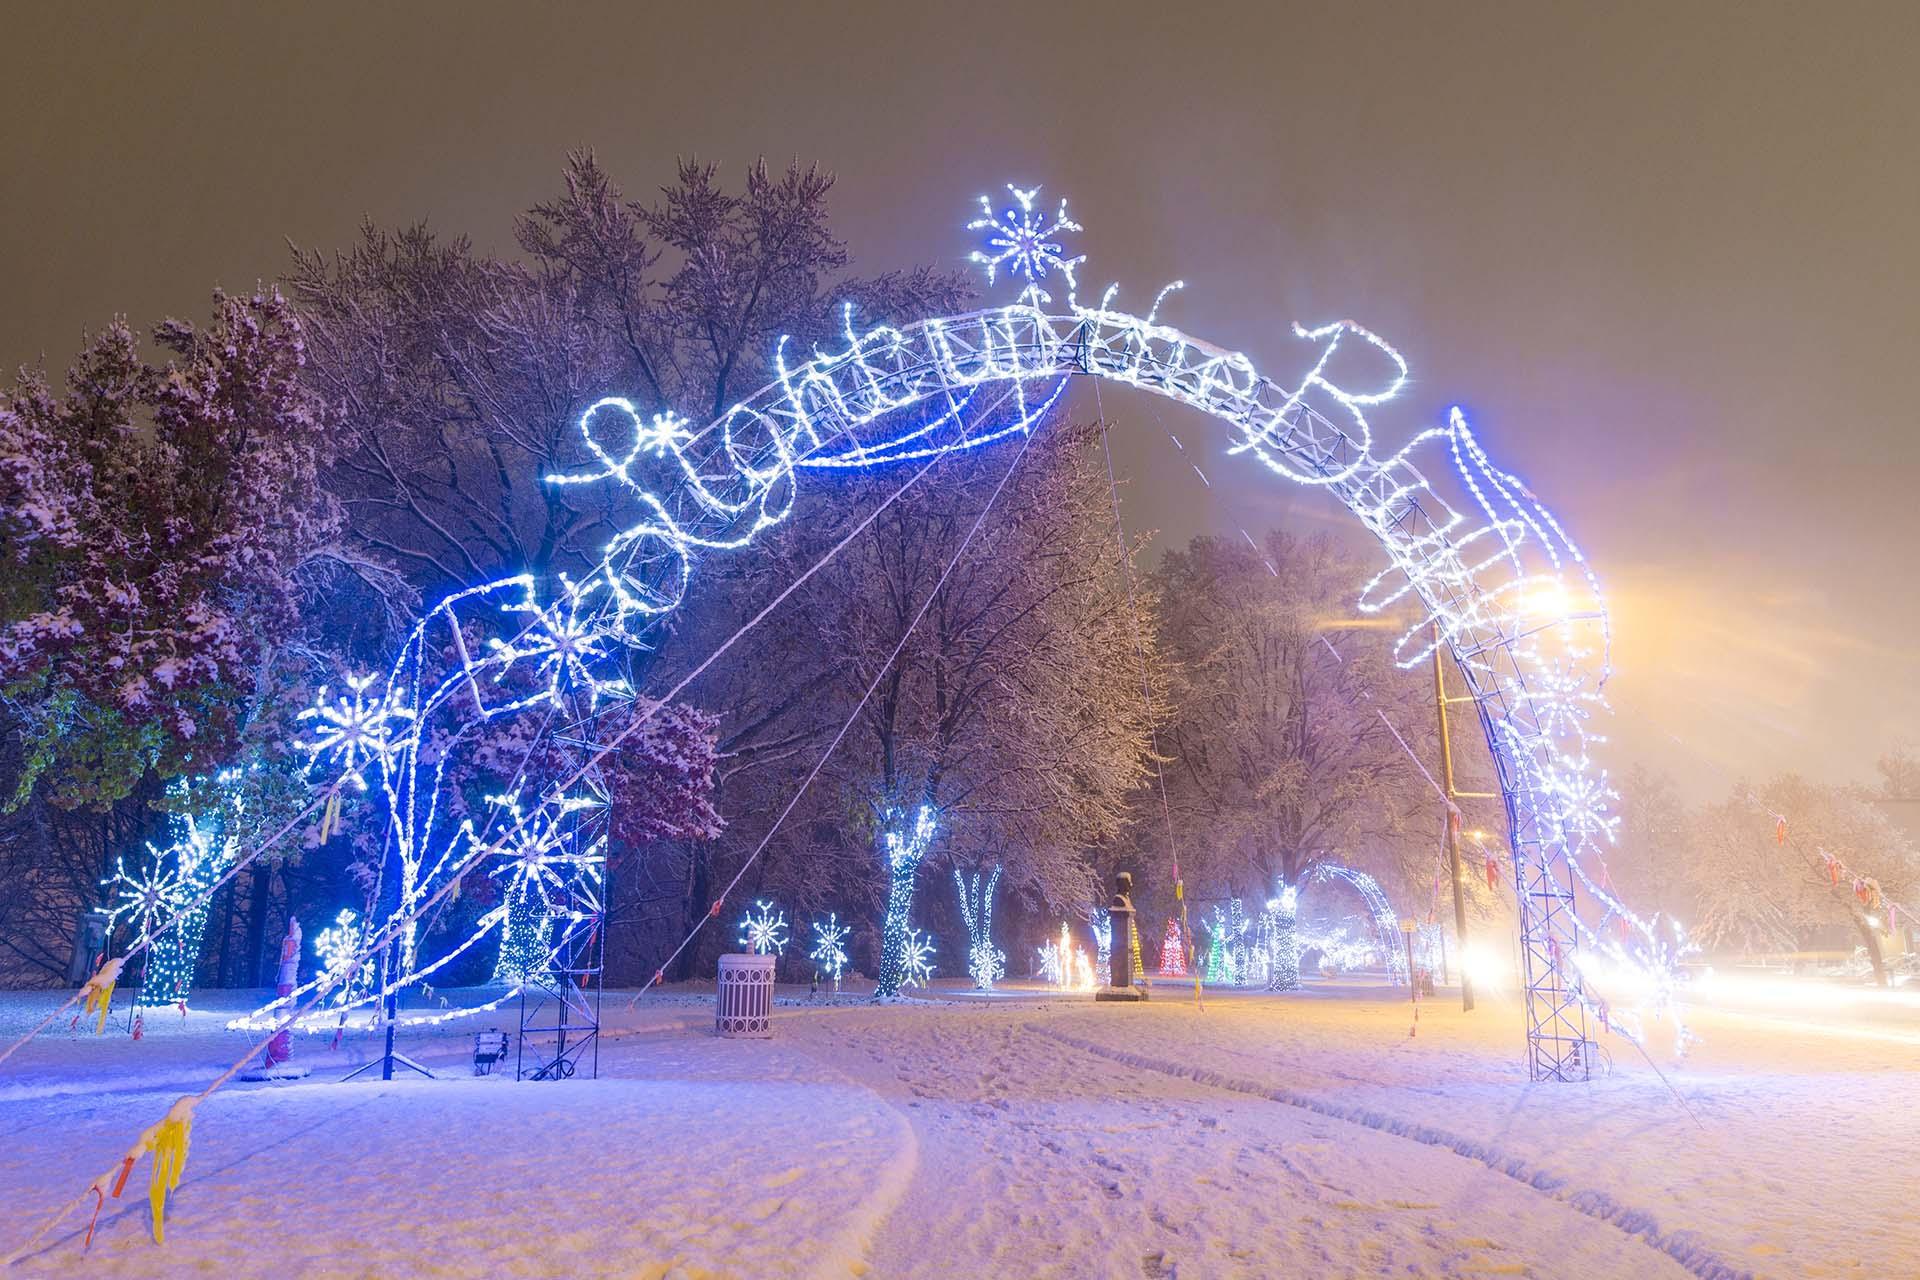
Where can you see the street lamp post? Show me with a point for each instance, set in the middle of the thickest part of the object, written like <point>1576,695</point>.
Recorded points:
<point>1452,816</point>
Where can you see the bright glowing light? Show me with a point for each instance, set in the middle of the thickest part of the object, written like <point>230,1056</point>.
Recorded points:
<point>1484,967</point>
<point>1023,241</point>
<point>1065,965</point>
<point>1547,599</point>
<point>763,931</point>
<point>986,963</point>
<point>1498,580</point>
<point>830,947</point>
<point>351,733</point>
<point>565,646</point>
<point>537,852</point>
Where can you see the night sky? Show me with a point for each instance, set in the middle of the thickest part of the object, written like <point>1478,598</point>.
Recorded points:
<point>1665,256</point>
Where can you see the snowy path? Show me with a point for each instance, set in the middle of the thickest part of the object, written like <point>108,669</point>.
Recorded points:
<point>1019,1136</point>
<point>1042,1159</point>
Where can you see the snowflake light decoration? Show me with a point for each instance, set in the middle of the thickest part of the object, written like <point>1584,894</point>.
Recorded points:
<point>536,855</point>
<point>1018,240</point>
<point>342,964</point>
<point>353,731</point>
<point>916,959</point>
<point>1053,964</point>
<point>986,965</point>
<point>830,946</point>
<point>567,643</point>
<point>762,932</point>
<point>149,898</point>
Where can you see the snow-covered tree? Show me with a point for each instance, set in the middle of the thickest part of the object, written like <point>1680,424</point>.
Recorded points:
<point>155,520</point>
<point>459,380</point>
<point>1280,754</point>
<point>1775,861</point>
<point>1013,709</point>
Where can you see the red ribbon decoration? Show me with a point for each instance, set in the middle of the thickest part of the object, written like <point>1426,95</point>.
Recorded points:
<point>99,1202</point>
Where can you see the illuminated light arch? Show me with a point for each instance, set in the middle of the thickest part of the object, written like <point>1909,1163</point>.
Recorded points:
<point>1385,920</point>
<point>1490,574</point>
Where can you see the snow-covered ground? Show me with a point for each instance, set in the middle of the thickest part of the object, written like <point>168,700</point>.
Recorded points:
<point>1025,1134</point>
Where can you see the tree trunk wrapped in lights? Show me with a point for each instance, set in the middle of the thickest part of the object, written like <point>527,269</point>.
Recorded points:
<point>985,962</point>
<point>1283,941</point>
<point>526,947</point>
<point>904,851</point>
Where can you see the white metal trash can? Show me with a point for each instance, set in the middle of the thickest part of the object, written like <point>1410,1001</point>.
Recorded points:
<point>744,1004</point>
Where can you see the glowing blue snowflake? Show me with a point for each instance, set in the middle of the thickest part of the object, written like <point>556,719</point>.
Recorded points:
<point>537,854</point>
<point>566,642</point>
<point>351,732</point>
<point>1027,248</point>
<point>829,946</point>
<point>762,932</point>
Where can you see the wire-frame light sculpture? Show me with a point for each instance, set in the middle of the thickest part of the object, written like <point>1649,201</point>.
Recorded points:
<point>1480,563</point>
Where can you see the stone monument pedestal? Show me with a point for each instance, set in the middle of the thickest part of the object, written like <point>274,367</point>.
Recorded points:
<point>1120,956</point>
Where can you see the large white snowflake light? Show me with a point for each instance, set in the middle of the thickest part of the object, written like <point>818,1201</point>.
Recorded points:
<point>351,732</point>
<point>537,854</point>
<point>830,946</point>
<point>917,959</point>
<point>567,642</point>
<point>148,898</point>
<point>1023,242</point>
<point>762,931</point>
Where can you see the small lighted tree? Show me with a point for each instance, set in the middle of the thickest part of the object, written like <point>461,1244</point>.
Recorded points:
<point>1173,951</point>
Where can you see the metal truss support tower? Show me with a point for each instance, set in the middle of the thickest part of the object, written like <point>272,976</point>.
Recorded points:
<point>560,1007</point>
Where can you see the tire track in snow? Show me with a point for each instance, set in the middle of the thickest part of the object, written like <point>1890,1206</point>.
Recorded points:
<point>1683,1246</point>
